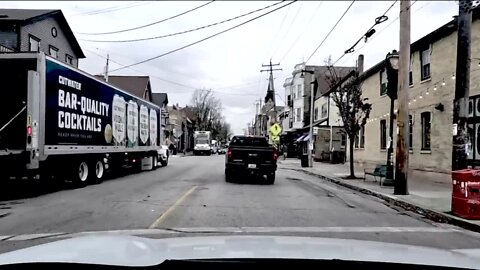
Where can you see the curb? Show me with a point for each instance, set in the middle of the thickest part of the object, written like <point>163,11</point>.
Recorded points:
<point>428,213</point>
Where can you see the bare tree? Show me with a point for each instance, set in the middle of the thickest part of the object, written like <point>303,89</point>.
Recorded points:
<point>209,113</point>
<point>346,93</point>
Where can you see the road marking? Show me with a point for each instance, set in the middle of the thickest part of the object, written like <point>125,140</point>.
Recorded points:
<point>232,230</point>
<point>171,208</point>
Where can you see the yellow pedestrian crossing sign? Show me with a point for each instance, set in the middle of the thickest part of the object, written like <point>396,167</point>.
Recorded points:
<point>276,139</point>
<point>275,129</point>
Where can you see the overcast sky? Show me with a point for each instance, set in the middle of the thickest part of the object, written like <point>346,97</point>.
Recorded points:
<point>230,63</point>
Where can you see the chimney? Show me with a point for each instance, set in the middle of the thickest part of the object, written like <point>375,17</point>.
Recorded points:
<point>360,64</point>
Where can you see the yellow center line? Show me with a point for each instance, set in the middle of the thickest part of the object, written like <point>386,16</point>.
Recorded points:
<point>171,208</point>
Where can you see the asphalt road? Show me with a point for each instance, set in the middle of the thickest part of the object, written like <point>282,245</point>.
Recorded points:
<point>190,197</point>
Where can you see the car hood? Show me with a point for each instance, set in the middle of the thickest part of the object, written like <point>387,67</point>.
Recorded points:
<point>138,251</point>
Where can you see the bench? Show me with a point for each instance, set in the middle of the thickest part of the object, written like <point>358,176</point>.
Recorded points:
<point>380,171</point>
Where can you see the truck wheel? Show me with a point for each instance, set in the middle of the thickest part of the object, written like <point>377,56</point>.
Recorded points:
<point>97,176</point>
<point>80,173</point>
<point>270,178</point>
<point>164,162</point>
<point>154,162</point>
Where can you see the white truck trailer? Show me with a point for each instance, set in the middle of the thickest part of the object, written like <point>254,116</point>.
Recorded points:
<point>58,122</point>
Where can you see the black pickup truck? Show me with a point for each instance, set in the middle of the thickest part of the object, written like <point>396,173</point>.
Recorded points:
<point>251,155</point>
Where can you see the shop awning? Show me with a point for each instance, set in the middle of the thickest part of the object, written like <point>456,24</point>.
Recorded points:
<point>317,123</point>
<point>300,138</point>
<point>303,138</point>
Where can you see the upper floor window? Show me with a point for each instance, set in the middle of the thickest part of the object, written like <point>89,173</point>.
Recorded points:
<point>315,114</point>
<point>69,59</point>
<point>383,82</point>
<point>324,110</point>
<point>33,44</point>
<point>53,51</point>
<point>298,115</point>
<point>425,63</point>
<point>426,125</point>
<point>300,90</point>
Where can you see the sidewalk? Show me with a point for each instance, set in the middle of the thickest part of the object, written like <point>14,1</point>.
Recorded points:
<point>430,193</point>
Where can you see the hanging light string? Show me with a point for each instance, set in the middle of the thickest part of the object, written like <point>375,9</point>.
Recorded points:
<point>423,93</point>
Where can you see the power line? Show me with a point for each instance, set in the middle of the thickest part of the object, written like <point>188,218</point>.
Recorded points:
<point>280,29</point>
<point>209,37</point>
<point>176,83</point>
<point>289,26</point>
<point>184,32</point>
<point>111,9</point>
<point>150,24</point>
<point>333,28</point>
<point>380,19</point>
<point>302,33</point>
<point>390,24</point>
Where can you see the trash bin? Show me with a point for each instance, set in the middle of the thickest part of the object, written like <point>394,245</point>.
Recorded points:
<point>304,161</point>
<point>466,193</point>
<point>335,157</point>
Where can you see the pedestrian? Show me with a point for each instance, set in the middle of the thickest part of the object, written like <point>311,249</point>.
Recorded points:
<point>284,151</point>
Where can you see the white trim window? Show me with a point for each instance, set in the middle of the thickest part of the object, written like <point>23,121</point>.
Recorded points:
<point>425,63</point>
<point>298,115</point>
<point>53,51</point>
<point>33,44</point>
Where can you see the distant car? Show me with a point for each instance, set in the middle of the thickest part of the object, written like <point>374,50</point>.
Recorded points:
<point>222,151</point>
<point>214,149</point>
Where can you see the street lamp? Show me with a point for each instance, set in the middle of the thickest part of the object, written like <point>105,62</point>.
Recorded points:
<point>392,85</point>
<point>312,100</point>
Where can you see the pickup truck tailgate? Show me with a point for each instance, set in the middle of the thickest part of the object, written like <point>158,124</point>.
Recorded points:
<point>252,155</point>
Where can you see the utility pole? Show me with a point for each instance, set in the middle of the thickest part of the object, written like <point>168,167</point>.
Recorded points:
<point>271,85</point>
<point>106,68</point>
<point>258,118</point>
<point>401,158</point>
<point>462,86</point>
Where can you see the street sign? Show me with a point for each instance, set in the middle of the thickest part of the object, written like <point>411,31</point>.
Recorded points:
<point>276,129</point>
<point>315,130</point>
<point>276,139</point>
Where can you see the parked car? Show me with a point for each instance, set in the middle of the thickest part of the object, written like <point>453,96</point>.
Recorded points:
<point>251,155</point>
<point>222,151</point>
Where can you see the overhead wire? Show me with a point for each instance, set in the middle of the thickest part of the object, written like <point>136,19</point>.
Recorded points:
<point>176,83</point>
<point>275,45</point>
<point>149,24</point>
<point>388,25</point>
<point>331,30</point>
<point>380,19</point>
<point>183,32</point>
<point>289,26</point>
<point>111,9</point>
<point>302,32</point>
<point>207,38</point>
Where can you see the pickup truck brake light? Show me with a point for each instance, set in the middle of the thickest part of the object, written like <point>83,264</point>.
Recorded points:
<point>275,155</point>
<point>229,153</point>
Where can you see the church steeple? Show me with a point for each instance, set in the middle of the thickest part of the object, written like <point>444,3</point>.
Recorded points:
<point>270,96</point>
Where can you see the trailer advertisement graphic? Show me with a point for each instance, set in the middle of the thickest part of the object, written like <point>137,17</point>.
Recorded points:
<point>82,111</point>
